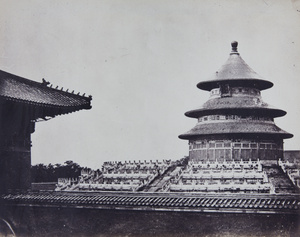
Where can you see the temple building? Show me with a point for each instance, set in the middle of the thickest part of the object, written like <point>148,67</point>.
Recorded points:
<point>235,146</point>
<point>235,123</point>
<point>24,102</point>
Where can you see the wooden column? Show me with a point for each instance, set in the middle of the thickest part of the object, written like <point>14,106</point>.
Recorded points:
<point>15,147</point>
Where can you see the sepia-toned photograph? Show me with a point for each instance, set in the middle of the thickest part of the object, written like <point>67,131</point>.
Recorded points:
<point>149,118</point>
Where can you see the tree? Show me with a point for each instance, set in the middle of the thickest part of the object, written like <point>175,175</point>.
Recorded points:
<point>51,173</point>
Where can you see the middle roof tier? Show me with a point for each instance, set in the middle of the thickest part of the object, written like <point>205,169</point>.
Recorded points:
<point>246,105</point>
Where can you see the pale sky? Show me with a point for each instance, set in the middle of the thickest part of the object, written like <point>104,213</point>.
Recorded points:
<point>141,61</point>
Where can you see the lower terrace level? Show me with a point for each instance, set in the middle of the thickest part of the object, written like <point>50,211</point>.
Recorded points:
<point>243,176</point>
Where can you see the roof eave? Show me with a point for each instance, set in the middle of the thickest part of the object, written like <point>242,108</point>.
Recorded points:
<point>256,134</point>
<point>258,83</point>
<point>244,111</point>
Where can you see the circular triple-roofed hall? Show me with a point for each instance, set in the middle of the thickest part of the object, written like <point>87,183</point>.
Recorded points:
<point>235,123</point>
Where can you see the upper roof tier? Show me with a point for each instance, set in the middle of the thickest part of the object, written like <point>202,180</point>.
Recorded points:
<point>235,72</point>
<point>41,95</point>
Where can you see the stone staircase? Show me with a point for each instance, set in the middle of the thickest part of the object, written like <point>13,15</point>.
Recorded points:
<point>279,179</point>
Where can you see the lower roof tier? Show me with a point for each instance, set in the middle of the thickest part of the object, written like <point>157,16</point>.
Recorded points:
<point>251,128</point>
<point>245,105</point>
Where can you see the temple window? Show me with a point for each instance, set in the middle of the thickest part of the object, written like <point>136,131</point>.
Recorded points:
<point>228,117</point>
<point>233,117</point>
<point>247,91</point>
<point>262,146</point>
<point>225,90</point>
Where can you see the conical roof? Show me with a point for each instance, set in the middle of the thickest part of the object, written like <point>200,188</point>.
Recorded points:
<point>235,71</point>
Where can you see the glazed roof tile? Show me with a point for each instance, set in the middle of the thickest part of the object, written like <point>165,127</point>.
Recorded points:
<point>25,91</point>
<point>236,71</point>
<point>241,104</point>
<point>236,127</point>
<point>267,203</point>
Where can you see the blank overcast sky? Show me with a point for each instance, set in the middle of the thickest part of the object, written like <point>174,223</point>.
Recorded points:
<point>141,61</point>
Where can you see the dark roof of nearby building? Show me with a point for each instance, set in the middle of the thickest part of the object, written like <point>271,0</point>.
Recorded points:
<point>236,127</point>
<point>292,155</point>
<point>28,92</point>
<point>215,202</point>
<point>239,105</point>
<point>236,72</point>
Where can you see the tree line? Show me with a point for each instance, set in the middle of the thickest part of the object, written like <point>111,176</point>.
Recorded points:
<point>50,173</point>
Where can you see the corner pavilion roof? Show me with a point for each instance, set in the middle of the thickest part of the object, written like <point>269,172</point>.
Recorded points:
<point>52,101</point>
<point>245,105</point>
<point>236,127</point>
<point>235,71</point>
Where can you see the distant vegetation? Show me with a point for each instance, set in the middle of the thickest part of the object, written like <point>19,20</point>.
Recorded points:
<point>50,173</point>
